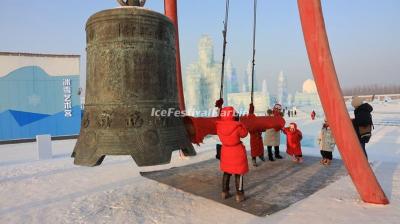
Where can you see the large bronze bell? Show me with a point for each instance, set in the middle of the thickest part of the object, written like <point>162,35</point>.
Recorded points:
<point>130,73</point>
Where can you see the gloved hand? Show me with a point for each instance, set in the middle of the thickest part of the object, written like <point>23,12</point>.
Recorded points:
<point>251,108</point>
<point>219,103</point>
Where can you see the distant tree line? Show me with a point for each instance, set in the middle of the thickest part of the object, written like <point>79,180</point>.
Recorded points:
<point>377,89</point>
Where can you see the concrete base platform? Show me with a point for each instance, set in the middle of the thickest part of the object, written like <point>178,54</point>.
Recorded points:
<point>270,187</point>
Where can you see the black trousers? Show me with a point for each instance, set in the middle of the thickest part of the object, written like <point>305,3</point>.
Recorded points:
<point>326,155</point>
<point>238,182</point>
<point>276,148</point>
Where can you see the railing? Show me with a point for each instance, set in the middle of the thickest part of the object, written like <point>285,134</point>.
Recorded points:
<point>387,122</point>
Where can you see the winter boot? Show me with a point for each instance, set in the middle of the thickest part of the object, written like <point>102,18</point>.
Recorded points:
<point>254,161</point>
<point>225,186</point>
<point>262,158</point>
<point>277,155</point>
<point>299,159</point>
<point>225,195</point>
<point>239,196</point>
<point>270,154</point>
<point>328,162</point>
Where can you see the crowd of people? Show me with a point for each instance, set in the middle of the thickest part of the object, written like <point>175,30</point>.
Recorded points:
<point>233,156</point>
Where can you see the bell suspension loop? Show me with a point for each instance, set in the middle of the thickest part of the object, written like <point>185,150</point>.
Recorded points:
<point>132,2</point>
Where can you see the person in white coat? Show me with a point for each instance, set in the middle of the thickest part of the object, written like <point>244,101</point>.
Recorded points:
<point>272,139</point>
<point>326,143</point>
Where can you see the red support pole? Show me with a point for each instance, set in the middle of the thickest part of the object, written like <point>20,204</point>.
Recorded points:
<point>171,11</point>
<point>332,100</point>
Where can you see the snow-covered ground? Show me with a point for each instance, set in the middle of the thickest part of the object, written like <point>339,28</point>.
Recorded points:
<point>56,191</point>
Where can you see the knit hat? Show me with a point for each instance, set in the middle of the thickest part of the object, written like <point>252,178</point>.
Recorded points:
<point>356,101</point>
<point>277,106</point>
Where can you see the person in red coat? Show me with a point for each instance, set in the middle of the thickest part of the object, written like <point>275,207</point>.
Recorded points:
<point>233,153</point>
<point>256,145</point>
<point>293,139</point>
<point>313,115</point>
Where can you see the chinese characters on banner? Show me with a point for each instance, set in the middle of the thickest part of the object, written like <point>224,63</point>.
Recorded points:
<point>67,98</point>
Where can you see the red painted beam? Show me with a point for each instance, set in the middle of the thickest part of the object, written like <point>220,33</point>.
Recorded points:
<point>199,127</point>
<point>261,123</point>
<point>329,90</point>
<point>171,11</point>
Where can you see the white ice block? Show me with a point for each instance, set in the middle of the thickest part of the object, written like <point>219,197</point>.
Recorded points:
<point>43,144</point>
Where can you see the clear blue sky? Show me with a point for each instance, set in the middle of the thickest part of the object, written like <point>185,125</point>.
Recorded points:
<point>364,34</point>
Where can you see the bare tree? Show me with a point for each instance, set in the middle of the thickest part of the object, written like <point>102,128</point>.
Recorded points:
<point>372,89</point>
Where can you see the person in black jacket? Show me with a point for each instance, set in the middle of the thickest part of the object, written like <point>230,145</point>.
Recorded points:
<point>362,121</point>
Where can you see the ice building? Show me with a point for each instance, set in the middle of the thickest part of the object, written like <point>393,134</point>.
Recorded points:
<point>202,84</point>
<point>282,92</point>
<point>309,95</point>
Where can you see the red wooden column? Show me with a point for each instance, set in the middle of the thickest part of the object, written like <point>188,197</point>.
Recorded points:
<point>332,100</point>
<point>171,11</point>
